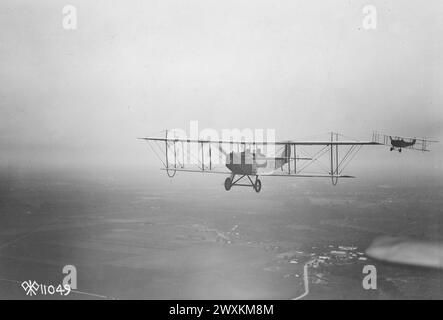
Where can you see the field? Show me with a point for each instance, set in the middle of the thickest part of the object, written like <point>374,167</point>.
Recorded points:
<point>138,234</point>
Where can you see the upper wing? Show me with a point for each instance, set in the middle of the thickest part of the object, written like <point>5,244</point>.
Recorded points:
<point>289,142</point>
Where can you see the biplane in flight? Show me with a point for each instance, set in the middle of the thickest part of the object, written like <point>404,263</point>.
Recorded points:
<point>399,143</point>
<point>245,161</point>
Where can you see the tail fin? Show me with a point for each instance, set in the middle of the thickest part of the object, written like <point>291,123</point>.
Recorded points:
<point>284,158</point>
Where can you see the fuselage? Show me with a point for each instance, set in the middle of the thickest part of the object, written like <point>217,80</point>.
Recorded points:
<point>400,143</point>
<point>244,163</point>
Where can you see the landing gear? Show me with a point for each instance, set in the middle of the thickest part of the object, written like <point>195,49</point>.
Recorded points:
<point>392,148</point>
<point>257,185</point>
<point>230,182</point>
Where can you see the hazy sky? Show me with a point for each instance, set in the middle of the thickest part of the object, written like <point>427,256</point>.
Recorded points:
<point>133,68</point>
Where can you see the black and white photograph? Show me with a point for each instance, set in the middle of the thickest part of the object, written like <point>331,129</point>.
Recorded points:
<point>240,152</point>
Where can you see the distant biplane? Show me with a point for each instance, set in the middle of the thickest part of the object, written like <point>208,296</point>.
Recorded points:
<point>399,143</point>
<point>247,160</point>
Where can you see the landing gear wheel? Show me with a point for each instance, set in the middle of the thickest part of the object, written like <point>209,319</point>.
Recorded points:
<point>399,150</point>
<point>257,185</point>
<point>228,184</point>
<point>391,149</point>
